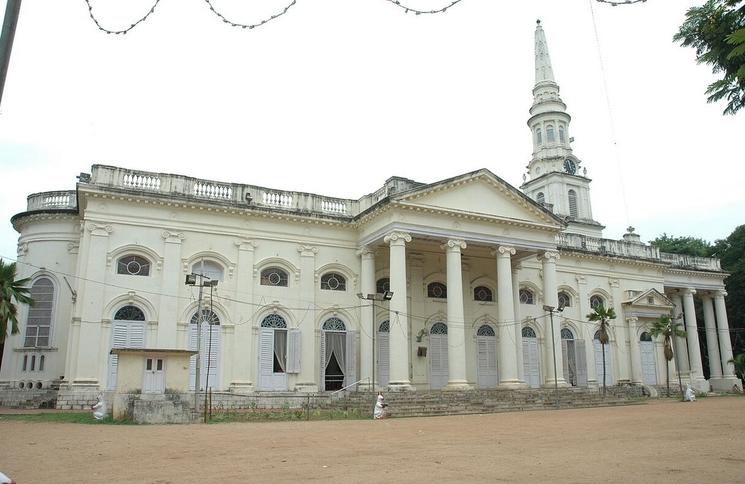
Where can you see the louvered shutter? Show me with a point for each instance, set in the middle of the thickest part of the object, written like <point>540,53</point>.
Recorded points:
<point>565,360</point>
<point>266,358</point>
<point>136,335</point>
<point>322,346</point>
<point>294,351</point>
<point>193,359</point>
<point>211,351</point>
<point>350,359</point>
<point>580,352</point>
<point>118,340</point>
<point>383,359</point>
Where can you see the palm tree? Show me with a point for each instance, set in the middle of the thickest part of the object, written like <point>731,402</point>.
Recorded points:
<point>667,328</point>
<point>599,313</point>
<point>739,362</point>
<point>12,291</point>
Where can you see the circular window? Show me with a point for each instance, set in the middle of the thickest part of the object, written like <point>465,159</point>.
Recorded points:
<point>274,278</point>
<point>20,384</point>
<point>38,385</point>
<point>134,267</point>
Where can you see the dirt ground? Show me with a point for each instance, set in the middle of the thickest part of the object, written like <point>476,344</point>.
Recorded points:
<point>659,442</point>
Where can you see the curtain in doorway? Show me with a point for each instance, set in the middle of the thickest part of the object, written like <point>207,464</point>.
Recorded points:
<point>280,347</point>
<point>335,346</point>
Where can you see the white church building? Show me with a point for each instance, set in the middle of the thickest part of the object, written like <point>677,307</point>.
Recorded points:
<point>471,262</point>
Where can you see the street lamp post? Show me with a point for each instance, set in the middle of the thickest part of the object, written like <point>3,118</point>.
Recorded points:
<point>191,280</point>
<point>385,296</point>
<point>550,310</point>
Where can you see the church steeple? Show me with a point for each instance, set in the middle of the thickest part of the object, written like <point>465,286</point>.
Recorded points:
<point>555,176</point>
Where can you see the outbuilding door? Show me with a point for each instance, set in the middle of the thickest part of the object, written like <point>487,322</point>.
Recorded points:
<point>155,378</point>
<point>486,343</point>
<point>438,356</point>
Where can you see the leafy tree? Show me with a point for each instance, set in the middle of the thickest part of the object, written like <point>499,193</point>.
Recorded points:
<point>602,315</point>
<point>717,31</point>
<point>739,362</point>
<point>667,328</point>
<point>683,245</point>
<point>12,291</point>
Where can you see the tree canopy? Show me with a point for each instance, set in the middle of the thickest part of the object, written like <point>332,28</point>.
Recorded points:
<point>12,292</point>
<point>684,245</point>
<point>717,31</point>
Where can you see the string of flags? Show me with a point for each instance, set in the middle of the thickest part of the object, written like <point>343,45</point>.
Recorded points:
<point>284,10</point>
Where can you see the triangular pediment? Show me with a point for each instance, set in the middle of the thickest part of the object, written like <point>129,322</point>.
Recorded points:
<point>480,193</point>
<point>649,298</point>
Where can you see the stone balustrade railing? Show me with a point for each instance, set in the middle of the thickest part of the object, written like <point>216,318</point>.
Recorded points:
<point>65,199</point>
<point>234,193</point>
<point>622,248</point>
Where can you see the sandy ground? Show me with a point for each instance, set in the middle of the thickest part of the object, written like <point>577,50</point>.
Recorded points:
<point>658,442</point>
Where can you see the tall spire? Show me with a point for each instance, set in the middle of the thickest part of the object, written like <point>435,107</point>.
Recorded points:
<point>543,70</point>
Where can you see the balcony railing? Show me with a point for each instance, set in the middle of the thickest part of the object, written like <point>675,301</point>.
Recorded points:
<point>234,193</point>
<point>58,200</point>
<point>622,248</point>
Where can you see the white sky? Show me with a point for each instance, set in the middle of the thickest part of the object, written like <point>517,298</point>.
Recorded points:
<point>337,96</point>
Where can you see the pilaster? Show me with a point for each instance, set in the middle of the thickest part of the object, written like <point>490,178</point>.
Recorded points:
<point>170,289</point>
<point>306,381</point>
<point>244,359</point>
<point>367,321</point>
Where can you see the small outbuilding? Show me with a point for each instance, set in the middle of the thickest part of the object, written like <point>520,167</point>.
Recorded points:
<point>151,385</point>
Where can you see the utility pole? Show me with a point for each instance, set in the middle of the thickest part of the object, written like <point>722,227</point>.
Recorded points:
<point>191,280</point>
<point>386,296</point>
<point>12,9</point>
<point>550,310</point>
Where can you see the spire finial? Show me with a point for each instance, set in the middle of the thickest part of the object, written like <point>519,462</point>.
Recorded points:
<point>543,70</point>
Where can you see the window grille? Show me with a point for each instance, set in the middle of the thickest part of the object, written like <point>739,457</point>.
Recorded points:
<point>274,321</point>
<point>39,321</point>
<point>437,290</point>
<point>566,333</point>
<point>133,265</point>
<point>596,302</point>
<point>528,332</point>
<point>208,316</point>
<point>383,285</point>
<point>439,328</point>
<point>526,296</point>
<point>645,337</point>
<point>129,313</point>
<point>274,276</point>
<point>333,282</point>
<point>485,330</point>
<point>385,327</point>
<point>334,324</point>
<point>573,211</point>
<point>565,300</point>
<point>483,293</point>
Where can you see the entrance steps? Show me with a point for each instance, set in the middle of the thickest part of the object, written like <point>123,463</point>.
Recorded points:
<point>434,403</point>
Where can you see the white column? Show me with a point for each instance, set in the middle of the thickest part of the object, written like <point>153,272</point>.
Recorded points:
<point>307,379</point>
<point>636,354</point>
<point>588,330</point>
<point>456,321</point>
<point>399,317</point>
<point>694,349</point>
<point>508,329</point>
<point>680,345</point>
<point>170,287</point>
<point>518,322</point>
<point>243,359</point>
<point>367,322</point>
<point>725,341</point>
<point>550,298</point>
<point>712,345</point>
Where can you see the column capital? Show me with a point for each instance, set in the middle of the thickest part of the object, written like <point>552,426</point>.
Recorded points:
<point>172,237</point>
<point>307,250</point>
<point>454,244</point>
<point>632,320</point>
<point>504,251</point>
<point>366,252</point>
<point>248,245</point>
<point>720,293</point>
<point>688,291</point>
<point>99,229</point>
<point>397,238</point>
<point>549,256</point>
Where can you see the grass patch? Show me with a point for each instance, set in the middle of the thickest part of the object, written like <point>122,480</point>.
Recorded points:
<point>61,417</point>
<point>278,415</point>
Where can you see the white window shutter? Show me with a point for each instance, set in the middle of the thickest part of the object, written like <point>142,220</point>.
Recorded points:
<point>565,359</point>
<point>579,351</point>
<point>322,346</point>
<point>136,335</point>
<point>294,351</point>
<point>350,373</point>
<point>266,357</point>
<point>193,359</point>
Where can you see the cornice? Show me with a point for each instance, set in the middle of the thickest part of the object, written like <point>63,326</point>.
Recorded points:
<point>25,218</point>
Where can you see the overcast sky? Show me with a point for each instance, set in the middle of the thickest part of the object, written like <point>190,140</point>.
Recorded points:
<point>337,96</point>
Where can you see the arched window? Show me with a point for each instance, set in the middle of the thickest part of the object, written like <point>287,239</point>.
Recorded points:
<point>385,327</point>
<point>485,330</point>
<point>565,300</point>
<point>528,332</point>
<point>526,296</point>
<point>438,328</point>
<point>208,317</point>
<point>573,211</point>
<point>540,198</point>
<point>483,293</point>
<point>208,268</point>
<point>334,324</point>
<point>566,333</point>
<point>274,276</point>
<point>333,282</point>
<point>437,290</point>
<point>550,136</point>
<point>129,313</point>
<point>597,301</point>
<point>538,137</point>
<point>383,285</point>
<point>133,265</point>
<point>562,137</point>
<point>645,337</point>
<point>39,321</point>
<point>274,321</point>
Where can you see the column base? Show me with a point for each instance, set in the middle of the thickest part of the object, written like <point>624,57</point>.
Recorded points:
<point>400,386</point>
<point>700,384</point>
<point>512,384</point>
<point>725,384</point>
<point>457,385</point>
<point>562,383</point>
<point>306,387</point>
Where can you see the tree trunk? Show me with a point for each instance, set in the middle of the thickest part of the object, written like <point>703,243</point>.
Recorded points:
<point>602,346</point>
